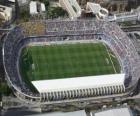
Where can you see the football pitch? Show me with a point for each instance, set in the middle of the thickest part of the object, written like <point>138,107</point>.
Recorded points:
<point>67,61</point>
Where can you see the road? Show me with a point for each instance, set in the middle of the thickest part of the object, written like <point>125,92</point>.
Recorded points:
<point>131,28</point>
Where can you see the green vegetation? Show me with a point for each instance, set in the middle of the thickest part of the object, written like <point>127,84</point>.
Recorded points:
<point>25,63</point>
<point>24,15</point>
<point>2,2</point>
<point>46,2</point>
<point>115,62</point>
<point>55,12</point>
<point>4,89</point>
<point>66,61</point>
<point>51,12</point>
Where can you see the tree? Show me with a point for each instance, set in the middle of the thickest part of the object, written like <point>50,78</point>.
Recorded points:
<point>24,14</point>
<point>46,2</point>
<point>2,2</point>
<point>55,12</point>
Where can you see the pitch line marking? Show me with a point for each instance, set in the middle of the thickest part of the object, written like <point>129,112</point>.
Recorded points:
<point>110,59</point>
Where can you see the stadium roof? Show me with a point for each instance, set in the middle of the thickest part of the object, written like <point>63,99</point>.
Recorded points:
<point>114,112</point>
<point>79,82</point>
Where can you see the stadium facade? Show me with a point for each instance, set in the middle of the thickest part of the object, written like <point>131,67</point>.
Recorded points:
<point>67,30</point>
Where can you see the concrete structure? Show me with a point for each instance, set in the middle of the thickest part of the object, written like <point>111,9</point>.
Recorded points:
<point>36,7</point>
<point>74,113</point>
<point>72,7</point>
<point>5,13</point>
<point>112,5</point>
<point>114,112</point>
<point>96,9</point>
<point>133,15</point>
<point>20,2</point>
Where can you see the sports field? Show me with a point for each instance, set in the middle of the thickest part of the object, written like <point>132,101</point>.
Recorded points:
<point>67,60</point>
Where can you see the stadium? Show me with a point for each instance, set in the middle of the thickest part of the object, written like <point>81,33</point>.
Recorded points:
<point>65,61</point>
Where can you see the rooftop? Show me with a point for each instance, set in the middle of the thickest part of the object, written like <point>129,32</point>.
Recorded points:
<point>79,82</point>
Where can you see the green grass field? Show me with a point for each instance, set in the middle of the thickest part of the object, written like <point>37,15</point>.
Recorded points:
<point>66,61</point>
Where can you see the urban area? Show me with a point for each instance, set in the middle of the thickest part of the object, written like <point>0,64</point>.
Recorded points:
<point>69,57</point>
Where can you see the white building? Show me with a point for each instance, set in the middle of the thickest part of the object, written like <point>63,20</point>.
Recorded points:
<point>33,7</point>
<point>72,7</point>
<point>5,13</point>
<point>42,8</point>
<point>96,9</point>
<point>36,7</point>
